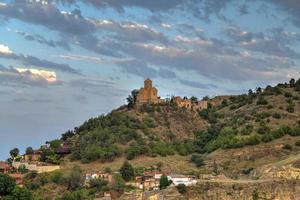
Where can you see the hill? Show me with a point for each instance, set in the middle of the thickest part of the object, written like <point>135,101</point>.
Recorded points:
<point>236,146</point>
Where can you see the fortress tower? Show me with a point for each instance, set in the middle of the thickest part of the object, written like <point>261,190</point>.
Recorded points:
<point>147,94</point>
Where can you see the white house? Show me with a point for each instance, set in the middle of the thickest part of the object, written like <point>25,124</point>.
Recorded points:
<point>181,179</point>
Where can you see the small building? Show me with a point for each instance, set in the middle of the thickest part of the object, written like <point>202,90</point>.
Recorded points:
<point>181,179</point>
<point>189,104</point>
<point>64,149</point>
<point>105,176</point>
<point>148,94</point>
<point>4,167</point>
<point>18,177</point>
<point>33,157</point>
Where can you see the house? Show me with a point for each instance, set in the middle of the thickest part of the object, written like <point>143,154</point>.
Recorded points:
<point>4,167</point>
<point>33,157</point>
<point>149,180</point>
<point>105,176</point>
<point>18,177</point>
<point>189,104</point>
<point>181,179</point>
<point>64,149</point>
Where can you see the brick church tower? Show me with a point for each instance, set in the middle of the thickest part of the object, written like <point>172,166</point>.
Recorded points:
<point>147,94</point>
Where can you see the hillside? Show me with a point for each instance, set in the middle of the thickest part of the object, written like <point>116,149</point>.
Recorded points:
<point>166,129</point>
<point>239,146</point>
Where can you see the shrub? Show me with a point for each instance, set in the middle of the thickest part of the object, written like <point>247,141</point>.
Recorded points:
<point>181,188</point>
<point>287,147</point>
<point>288,95</point>
<point>263,129</point>
<point>276,116</point>
<point>197,160</point>
<point>7,184</point>
<point>261,101</point>
<point>297,143</point>
<point>290,107</point>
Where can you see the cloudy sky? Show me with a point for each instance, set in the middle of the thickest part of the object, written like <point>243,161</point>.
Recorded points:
<point>64,61</point>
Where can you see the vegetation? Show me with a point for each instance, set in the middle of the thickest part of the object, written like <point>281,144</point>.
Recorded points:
<point>10,191</point>
<point>181,188</point>
<point>127,171</point>
<point>164,182</point>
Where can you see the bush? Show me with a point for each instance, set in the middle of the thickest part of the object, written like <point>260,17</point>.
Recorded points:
<point>276,116</point>
<point>7,184</point>
<point>181,188</point>
<point>297,143</point>
<point>290,108</point>
<point>261,101</point>
<point>197,160</point>
<point>20,194</point>
<point>287,147</point>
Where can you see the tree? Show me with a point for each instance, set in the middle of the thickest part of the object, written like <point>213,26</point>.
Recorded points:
<point>20,194</point>
<point>194,99</point>
<point>7,184</point>
<point>164,182</point>
<point>198,160</point>
<point>74,180</point>
<point>127,171</point>
<point>14,152</point>
<point>29,150</point>
<point>131,99</point>
<point>67,135</point>
<point>250,92</point>
<point>292,82</point>
<point>181,188</point>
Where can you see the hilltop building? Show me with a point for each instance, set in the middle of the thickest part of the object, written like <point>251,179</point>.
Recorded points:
<point>189,104</point>
<point>147,94</point>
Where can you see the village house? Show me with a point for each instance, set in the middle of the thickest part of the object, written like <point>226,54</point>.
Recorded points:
<point>4,167</point>
<point>189,104</point>
<point>149,180</point>
<point>99,175</point>
<point>181,179</point>
<point>33,157</point>
<point>64,149</point>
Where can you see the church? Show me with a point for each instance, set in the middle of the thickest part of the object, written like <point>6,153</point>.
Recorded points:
<point>147,94</point>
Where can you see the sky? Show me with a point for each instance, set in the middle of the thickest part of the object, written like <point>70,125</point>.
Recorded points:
<point>65,61</point>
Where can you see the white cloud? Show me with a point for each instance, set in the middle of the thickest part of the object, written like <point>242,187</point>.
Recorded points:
<point>36,74</point>
<point>5,49</point>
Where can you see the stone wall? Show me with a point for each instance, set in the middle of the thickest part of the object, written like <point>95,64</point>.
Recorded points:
<point>37,168</point>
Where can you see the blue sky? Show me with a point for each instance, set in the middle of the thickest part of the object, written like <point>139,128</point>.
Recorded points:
<point>64,61</point>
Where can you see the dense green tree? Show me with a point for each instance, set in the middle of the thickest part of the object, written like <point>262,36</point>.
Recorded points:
<point>67,135</point>
<point>19,194</point>
<point>127,171</point>
<point>164,182</point>
<point>292,82</point>
<point>194,99</point>
<point>7,184</point>
<point>29,150</point>
<point>131,99</point>
<point>14,152</point>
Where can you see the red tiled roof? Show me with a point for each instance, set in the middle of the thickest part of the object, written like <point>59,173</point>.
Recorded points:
<point>4,165</point>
